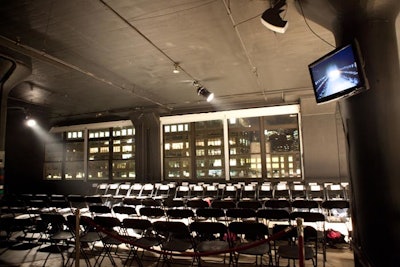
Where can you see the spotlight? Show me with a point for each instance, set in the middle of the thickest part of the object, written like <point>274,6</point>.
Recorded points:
<point>204,92</point>
<point>272,20</point>
<point>30,122</point>
<point>176,68</point>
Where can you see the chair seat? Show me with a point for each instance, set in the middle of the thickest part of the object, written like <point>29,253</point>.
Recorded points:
<point>292,252</point>
<point>258,250</point>
<point>177,245</point>
<point>62,235</point>
<point>212,245</point>
<point>147,242</point>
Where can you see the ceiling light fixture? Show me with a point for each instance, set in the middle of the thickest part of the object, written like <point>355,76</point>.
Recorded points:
<point>272,20</point>
<point>176,68</point>
<point>30,122</point>
<point>204,92</point>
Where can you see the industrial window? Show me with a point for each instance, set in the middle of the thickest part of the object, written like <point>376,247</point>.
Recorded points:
<point>99,151</point>
<point>262,143</point>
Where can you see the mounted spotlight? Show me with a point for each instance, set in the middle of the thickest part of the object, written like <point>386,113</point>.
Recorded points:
<point>30,122</point>
<point>204,92</point>
<point>176,68</point>
<point>272,20</point>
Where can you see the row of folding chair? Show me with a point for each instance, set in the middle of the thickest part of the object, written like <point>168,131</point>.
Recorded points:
<point>173,234</point>
<point>116,192</point>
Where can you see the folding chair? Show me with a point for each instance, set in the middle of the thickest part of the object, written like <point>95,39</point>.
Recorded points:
<point>176,238</point>
<point>57,233</point>
<point>243,234</point>
<point>210,237</point>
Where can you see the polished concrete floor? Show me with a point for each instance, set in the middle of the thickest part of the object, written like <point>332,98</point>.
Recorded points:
<point>25,254</point>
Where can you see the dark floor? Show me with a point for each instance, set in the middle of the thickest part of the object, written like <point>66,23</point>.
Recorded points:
<point>24,254</point>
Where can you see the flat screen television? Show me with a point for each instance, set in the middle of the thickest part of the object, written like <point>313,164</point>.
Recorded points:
<point>338,74</point>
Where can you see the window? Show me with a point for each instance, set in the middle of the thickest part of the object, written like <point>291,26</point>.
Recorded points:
<point>209,149</point>
<point>100,151</point>
<point>282,146</point>
<point>244,147</point>
<point>123,148</point>
<point>259,143</point>
<point>177,154</point>
<point>99,154</point>
<point>54,158</point>
<point>74,155</point>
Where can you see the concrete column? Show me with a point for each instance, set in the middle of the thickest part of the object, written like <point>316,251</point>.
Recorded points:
<point>372,123</point>
<point>12,71</point>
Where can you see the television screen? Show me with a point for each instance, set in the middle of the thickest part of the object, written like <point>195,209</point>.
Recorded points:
<point>337,74</point>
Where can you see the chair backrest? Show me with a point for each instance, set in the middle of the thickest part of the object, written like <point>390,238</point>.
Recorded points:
<point>134,190</point>
<point>182,192</point>
<point>308,216</point>
<point>196,191</point>
<point>100,210</point>
<point>210,213</point>
<point>77,201</point>
<point>230,192</point>
<point>273,214</point>
<point>248,192</point>
<point>304,205</point>
<point>208,230</point>
<point>249,230</point>
<point>197,203</point>
<point>174,228</point>
<point>265,191</point>
<point>223,204</point>
<point>179,214</point>
<point>240,213</point>
<point>137,224</point>
<point>277,204</point>
<point>315,192</point>
<point>147,191</point>
<point>112,189</point>
<point>125,210</point>
<point>298,191</point>
<point>152,212</point>
<point>101,189</point>
<point>335,192</point>
<point>94,200</point>
<point>249,204</point>
<point>282,191</point>
<point>211,191</point>
<point>123,190</point>
<point>109,223</point>
<point>162,191</point>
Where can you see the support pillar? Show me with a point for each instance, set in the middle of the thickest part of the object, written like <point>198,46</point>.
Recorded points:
<point>372,123</point>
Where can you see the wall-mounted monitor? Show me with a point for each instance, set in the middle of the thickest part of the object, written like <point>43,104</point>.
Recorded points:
<point>338,74</point>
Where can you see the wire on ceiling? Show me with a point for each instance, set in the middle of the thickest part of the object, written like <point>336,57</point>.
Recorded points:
<point>309,27</point>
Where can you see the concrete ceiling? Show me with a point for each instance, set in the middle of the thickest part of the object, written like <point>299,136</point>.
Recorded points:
<point>112,57</point>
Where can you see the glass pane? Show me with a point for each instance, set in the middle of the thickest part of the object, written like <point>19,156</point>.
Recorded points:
<point>123,169</point>
<point>99,149</point>
<point>282,146</point>
<point>244,148</point>
<point>74,170</point>
<point>98,169</point>
<point>177,167</point>
<point>74,151</point>
<point>99,133</point>
<point>177,151</point>
<point>53,152</point>
<point>123,148</point>
<point>209,140</point>
<point>53,170</point>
